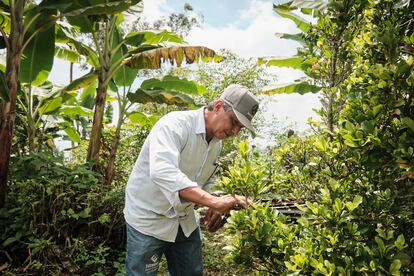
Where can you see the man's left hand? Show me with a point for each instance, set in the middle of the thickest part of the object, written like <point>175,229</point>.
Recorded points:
<point>213,220</point>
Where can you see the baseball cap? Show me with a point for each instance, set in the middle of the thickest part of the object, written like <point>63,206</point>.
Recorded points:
<point>243,102</point>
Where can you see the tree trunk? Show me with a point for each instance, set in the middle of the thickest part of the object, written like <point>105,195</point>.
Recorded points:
<point>8,109</point>
<point>110,168</point>
<point>95,138</point>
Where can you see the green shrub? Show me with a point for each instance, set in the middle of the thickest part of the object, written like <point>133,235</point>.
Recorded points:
<point>60,218</point>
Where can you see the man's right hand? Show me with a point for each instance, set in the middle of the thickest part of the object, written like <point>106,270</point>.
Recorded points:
<point>221,204</point>
<point>229,202</point>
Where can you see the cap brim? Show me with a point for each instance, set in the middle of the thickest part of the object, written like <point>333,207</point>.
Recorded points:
<point>245,122</point>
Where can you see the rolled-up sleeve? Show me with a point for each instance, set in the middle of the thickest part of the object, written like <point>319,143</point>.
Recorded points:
<point>167,141</point>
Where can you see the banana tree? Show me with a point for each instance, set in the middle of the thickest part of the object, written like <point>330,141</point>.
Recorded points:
<point>12,38</point>
<point>111,51</point>
<point>129,54</point>
<point>25,27</point>
<point>170,90</point>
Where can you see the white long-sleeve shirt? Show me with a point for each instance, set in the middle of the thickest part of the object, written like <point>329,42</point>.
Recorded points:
<point>174,156</point>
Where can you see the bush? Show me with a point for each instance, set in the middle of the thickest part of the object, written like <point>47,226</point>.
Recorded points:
<point>60,218</point>
<point>344,229</point>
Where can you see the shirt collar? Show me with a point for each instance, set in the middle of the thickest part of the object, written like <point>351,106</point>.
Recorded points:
<point>200,124</point>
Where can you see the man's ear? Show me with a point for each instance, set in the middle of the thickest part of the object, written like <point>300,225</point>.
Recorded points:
<point>218,104</point>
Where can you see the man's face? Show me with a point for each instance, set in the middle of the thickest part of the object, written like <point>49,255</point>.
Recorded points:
<point>226,123</point>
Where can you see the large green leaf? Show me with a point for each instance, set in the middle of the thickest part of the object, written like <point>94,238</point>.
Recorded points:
<point>38,56</point>
<point>124,76</point>
<point>4,90</point>
<point>284,6</point>
<point>73,111</point>
<point>82,82</point>
<point>85,50</point>
<point>5,22</point>
<point>87,14</point>
<point>88,95</point>
<point>295,87</point>
<point>159,96</point>
<point>142,119</point>
<point>65,53</point>
<point>296,37</point>
<point>171,83</point>
<point>301,23</point>
<point>71,8</point>
<point>319,5</point>
<point>152,59</point>
<point>142,48</point>
<point>50,105</point>
<point>148,37</point>
<point>70,131</point>
<point>72,134</point>
<point>292,62</point>
<point>64,31</point>
<point>118,43</point>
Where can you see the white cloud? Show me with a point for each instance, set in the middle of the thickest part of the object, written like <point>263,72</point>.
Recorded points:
<point>154,9</point>
<point>255,40</point>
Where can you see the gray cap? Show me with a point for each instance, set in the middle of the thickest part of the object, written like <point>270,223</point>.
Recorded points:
<point>243,102</point>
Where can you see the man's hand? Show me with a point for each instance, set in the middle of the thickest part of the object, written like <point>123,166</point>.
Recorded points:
<point>221,204</point>
<point>229,202</point>
<point>213,220</point>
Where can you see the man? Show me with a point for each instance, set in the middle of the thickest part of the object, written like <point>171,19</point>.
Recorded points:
<point>172,173</point>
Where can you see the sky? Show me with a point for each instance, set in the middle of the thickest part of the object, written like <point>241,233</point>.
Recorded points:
<point>247,28</point>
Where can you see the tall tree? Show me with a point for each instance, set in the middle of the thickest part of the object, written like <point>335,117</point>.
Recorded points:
<point>14,45</point>
<point>111,51</point>
<point>24,28</point>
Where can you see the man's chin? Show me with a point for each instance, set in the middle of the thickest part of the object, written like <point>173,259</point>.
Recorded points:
<point>225,136</point>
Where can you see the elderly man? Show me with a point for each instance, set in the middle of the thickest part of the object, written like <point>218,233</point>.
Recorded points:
<point>172,173</point>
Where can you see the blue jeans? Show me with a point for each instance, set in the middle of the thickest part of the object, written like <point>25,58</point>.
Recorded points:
<point>184,256</point>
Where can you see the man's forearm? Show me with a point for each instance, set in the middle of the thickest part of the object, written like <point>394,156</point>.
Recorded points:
<point>199,196</point>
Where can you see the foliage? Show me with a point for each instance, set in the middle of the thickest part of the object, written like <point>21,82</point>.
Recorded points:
<point>354,173</point>
<point>343,229</point>
<point>131,141</point>
<point>60,218</point>
<point>244,177</point>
